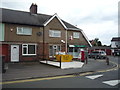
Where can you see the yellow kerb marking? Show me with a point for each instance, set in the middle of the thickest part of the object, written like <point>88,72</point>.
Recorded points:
<point>39,79</point>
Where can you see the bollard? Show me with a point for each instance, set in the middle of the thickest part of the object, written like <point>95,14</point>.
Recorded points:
<point>95,57</point>
<point>86,60</point>
<point>3,64</point>
<point>60,61</point>
<point>107,60</point>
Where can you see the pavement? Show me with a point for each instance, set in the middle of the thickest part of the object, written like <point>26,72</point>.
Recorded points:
<point>65,65</point>
<point>29,70</point>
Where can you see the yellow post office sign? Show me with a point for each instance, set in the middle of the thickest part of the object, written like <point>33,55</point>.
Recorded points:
<point>64,58</point>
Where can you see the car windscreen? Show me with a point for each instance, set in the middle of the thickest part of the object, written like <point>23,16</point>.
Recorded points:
<point>95,53</point>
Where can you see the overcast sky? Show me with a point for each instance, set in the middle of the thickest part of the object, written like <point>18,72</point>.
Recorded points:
<point>97,18</point>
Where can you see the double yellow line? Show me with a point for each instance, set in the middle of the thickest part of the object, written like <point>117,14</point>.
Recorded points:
<point>111,69</point>
<point>38,79</point>
<point>48,78</point>
<point>58,77</point>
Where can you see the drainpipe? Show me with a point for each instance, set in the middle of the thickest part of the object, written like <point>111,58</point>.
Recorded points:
<point>43,42</point>
<point>66,41</point>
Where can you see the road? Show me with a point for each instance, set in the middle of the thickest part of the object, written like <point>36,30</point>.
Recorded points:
<point>106,79</point>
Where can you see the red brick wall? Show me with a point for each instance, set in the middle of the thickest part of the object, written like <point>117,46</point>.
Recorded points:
<point>37,57</point>
<point>4,50</point>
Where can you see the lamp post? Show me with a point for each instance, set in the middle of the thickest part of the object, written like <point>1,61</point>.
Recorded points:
<point>66,41</point>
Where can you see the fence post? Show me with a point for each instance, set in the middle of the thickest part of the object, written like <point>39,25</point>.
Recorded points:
<point>86,60</point>
<point>107,60</point>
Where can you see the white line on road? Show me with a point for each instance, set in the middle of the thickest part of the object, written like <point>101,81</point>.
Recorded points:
<point>94,76</point>
<point>112,82</point>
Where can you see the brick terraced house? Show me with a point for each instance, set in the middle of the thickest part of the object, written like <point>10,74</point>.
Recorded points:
<point>30,36</point>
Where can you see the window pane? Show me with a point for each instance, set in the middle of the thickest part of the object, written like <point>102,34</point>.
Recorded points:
<point>70,49</point>
<point>24,31</point>
<point>50,33</point>
<point>59,48</point>
<point>31,49</point>
<point>76,49</point>
<point>53,33</point>
<point>27,31</point>
<point>19,30</point>
<point>50,51</point>
<point>57,34</point>
<point>76,35</point>
<point>24,50</point>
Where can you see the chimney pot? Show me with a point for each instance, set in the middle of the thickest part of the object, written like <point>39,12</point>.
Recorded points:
<point>33,9</point>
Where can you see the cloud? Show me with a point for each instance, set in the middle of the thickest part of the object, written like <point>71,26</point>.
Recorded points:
<point>104,31</point>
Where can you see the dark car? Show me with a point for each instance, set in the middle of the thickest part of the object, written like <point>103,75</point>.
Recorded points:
<point>117,53</point>
<point>97,54</point>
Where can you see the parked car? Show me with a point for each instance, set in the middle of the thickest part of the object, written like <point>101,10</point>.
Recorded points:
<point>117,53</point>
<point>97,54</point>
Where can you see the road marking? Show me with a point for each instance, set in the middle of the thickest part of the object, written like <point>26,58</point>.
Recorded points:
<point>112,82</point>
<point>111,69</point>
<point>83,74</point>
<point>38,79</point>
<point>94,76</point>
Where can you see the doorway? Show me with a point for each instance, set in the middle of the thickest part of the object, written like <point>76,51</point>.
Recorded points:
<point>14,53</point>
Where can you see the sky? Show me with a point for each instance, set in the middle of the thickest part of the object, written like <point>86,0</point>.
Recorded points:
<point>97,18</point>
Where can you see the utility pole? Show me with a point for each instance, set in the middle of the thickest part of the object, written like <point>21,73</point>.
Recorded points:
<point>66,41</point>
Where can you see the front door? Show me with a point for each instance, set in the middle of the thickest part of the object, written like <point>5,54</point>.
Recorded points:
<point>14,53</point>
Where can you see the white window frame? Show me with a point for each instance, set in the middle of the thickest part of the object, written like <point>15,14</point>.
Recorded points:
<point>54,49</point>
<point>53,32</point>
<point>23,31</point>
<point>27,49</point>
<point>76,35</point>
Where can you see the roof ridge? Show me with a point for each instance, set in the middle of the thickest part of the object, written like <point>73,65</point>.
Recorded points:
<point>44,18</point>
<point>24,11</point>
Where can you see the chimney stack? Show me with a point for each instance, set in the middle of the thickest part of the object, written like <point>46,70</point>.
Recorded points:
<point>33,9</point>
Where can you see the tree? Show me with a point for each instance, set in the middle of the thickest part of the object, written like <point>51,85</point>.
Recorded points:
<point>96,42</point>
<point>99,43</point>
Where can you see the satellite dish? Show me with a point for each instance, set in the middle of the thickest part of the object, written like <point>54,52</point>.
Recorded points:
<point>39,33</point>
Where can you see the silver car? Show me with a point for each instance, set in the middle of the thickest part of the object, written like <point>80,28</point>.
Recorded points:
<point>97,54</point>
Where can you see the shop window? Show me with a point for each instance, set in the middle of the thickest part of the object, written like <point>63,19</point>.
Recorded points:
<point>75,49</point>
<point>71,49</point>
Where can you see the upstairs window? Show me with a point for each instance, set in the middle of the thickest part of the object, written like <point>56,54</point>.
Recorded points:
<point>54,33</point>
<point>24,31</point>
<point>76,35</point>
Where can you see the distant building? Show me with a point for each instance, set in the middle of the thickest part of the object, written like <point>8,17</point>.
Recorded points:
<point>115,45</point>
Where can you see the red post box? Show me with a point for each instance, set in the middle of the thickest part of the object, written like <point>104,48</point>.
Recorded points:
<point>82,56</point>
